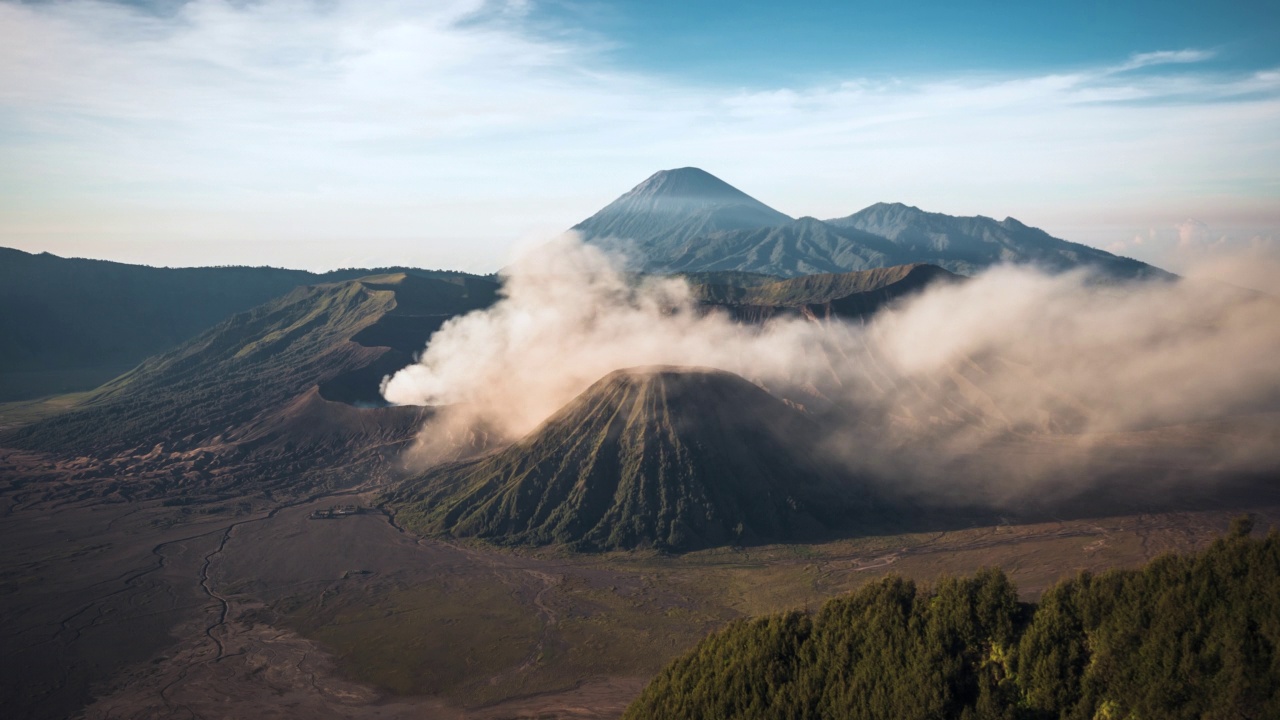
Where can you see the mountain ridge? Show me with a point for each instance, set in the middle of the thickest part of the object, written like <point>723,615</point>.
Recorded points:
<point>284,387</point>
<point>968,244</point>
<point>71,324</point>
<point>689,221</point>
<point>847,295</point>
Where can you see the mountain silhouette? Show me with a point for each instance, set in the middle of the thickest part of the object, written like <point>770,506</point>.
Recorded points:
<point>689,221</point>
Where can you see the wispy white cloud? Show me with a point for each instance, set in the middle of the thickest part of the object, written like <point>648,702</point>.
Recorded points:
<point>440,132</point>
<point>1165,57</point>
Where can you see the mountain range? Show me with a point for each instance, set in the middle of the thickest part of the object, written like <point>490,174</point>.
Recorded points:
<point>687,220</point>
<point>71,324</point>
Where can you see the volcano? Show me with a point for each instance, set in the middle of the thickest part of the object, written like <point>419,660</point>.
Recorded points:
<point>656,218</point>
<point>666,457</point>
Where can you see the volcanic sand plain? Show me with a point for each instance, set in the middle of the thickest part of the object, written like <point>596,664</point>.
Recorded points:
<point>250,608</point>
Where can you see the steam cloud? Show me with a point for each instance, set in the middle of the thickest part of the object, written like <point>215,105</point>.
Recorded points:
<point>1011,385</point>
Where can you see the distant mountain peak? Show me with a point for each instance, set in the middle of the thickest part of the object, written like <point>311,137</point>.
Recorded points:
<point>690,185</point>
<point>672,206</point>
<point>895,209</point>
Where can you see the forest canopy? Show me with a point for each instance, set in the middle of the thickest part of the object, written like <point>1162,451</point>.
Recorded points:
<point>1183,637</point>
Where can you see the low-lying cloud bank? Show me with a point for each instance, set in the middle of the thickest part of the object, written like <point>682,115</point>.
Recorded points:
<point>1011,386</point>
<point>1243,257</point>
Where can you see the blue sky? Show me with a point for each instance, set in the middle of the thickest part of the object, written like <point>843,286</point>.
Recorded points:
<point>337,133</point>
<point>754,43</point>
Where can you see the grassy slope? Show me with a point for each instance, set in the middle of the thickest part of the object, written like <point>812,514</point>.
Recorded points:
<point>812,289</point>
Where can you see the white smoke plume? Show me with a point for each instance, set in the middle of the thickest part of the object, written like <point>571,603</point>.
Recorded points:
<point>569,317</point>
<point>1008,384</point>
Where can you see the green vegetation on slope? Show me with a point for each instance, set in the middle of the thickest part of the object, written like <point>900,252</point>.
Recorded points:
<point>1184,637</point>
<point>673,458</point>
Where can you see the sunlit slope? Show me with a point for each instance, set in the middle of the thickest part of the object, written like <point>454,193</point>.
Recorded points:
<point>69,323</point>
<point>664,457</point>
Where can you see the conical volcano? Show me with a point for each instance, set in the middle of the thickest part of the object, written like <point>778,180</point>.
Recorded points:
<point>657,217</point>
<point>666,457</point>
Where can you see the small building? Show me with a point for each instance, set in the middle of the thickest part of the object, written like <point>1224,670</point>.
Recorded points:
<point>336,511</point>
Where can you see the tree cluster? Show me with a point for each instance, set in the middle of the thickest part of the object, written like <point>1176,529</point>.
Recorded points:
<point>1184,637</point>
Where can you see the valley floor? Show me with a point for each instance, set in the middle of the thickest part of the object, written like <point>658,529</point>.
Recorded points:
<point>250,608</point>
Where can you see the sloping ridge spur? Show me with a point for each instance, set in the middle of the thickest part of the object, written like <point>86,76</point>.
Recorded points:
<point>421,307</point>
<point>832,295</point>
<point>665,457</point>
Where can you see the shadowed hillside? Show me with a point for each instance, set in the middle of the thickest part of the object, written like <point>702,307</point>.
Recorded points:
<point>665,457</point>
<point>70,324</point>
<point>847,295</point>
<point>259,386</point>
